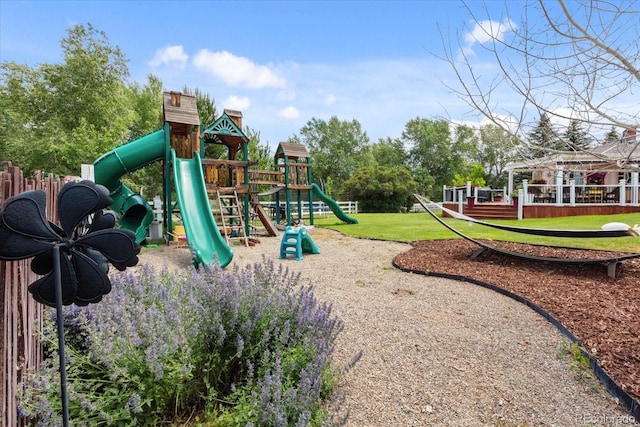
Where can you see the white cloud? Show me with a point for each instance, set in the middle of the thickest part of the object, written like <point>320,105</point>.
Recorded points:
<point>170,55</point>
<point>485,31</point>
<point>237,70</point>
<point>329,99</point>
<point>239,103</point>
<point>289,112</point>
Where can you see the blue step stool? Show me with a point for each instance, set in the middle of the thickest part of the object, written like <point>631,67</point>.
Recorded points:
<point>291,243</point>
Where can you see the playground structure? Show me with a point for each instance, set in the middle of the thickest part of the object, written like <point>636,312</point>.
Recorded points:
<point>611,263</point>
<point>217,200</point>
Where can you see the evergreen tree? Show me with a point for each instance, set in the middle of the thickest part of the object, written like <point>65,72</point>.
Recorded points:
<point>543,139</point>
<point>611,136</point>
<point>576,137</point>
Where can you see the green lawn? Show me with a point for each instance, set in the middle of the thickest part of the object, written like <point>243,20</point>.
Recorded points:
<point>411,227</point>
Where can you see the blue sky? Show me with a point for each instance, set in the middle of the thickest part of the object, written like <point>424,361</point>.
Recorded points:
<point>281,63</point>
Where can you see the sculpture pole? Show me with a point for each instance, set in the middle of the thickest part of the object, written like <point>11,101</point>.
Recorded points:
<point>60,321</point>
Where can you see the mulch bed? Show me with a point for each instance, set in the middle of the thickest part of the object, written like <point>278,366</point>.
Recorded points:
<point>602,312</point>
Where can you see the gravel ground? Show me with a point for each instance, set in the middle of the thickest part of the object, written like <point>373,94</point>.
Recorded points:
<point>434,351</point>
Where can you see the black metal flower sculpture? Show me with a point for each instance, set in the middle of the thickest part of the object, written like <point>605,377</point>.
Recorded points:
<point>86,240</point>
<point>73,258</point>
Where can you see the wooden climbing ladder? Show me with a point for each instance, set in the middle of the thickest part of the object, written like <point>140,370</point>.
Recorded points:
<point>231,217</point>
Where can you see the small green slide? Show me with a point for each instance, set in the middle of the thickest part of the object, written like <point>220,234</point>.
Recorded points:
<point>296,241</point>
<point>308,245</point>
<point>333,205</point>
<point>205,240</point>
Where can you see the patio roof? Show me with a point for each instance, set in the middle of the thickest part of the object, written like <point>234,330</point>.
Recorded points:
<point>608,156</point>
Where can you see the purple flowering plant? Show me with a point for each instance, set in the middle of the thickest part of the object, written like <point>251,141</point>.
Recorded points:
<point>243,347</point>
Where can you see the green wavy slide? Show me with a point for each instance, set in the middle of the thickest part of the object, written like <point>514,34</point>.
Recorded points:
<point>333,205</point>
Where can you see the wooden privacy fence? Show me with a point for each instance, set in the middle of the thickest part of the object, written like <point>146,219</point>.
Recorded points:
<point>21,316</point>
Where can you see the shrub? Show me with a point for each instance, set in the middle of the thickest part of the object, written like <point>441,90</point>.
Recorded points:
<point>247,347</point>
<point>381,189</point>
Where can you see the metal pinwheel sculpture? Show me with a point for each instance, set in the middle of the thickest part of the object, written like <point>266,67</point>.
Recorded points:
<point>73,258</point>
<point>86,240</point>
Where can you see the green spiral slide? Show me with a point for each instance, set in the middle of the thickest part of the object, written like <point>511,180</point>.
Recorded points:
<point>134,211</point>
<point>333,205</point>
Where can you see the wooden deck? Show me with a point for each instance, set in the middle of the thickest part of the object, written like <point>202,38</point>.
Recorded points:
<point>541,210</point>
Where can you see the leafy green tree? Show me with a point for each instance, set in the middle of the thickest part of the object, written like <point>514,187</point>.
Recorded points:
<point>90,82</point>
<point>575,137</point>
<point>465,147</point>
<point>206,105</point>
<point>475,175</point>
<point>497,148</point>
<point>15,122</point>
<point>68,113</point>
<point>337,148</point>
<point>389,152</point>
<point>258,152</point>
<point>425,183</point>
<point>147,107</point>
<point>430,147</point>
<point>433,150</point>
<point>381,188</point>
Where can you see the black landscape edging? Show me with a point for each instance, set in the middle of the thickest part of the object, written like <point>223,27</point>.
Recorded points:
<point>629,403</point>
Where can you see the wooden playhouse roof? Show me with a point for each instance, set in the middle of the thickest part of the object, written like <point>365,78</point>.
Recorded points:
<point>180,108</point>
<point>227,129</point>
<point>292,151</point>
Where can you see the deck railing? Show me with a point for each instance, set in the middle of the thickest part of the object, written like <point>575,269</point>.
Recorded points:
<point>561,194</point>
<point>454,194</point>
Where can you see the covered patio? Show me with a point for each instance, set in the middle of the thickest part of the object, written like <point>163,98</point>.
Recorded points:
<point>603,180</point>
<point>606,174</point>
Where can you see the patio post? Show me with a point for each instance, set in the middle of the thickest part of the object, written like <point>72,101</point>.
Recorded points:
<point>572,192</point>
<point>520,197</point>
<point>634,188</point>
<point>460,197</point>
<point>510,185</point>
<point>623,192</point>
<point>559,195</point>
<point>525,192</point>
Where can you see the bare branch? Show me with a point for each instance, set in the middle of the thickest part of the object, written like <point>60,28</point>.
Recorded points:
<point>570,61</point>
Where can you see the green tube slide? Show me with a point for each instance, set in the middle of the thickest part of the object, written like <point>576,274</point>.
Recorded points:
<point>205,240</point>
<point>134,211</point>
<point>333,205</point>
